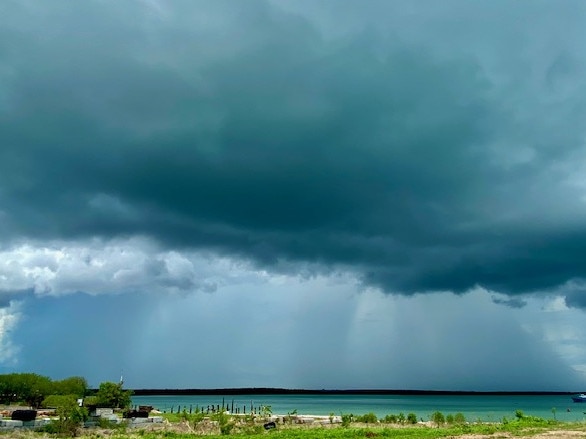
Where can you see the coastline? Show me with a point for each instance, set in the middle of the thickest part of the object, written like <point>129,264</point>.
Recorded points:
<point>285,391</point>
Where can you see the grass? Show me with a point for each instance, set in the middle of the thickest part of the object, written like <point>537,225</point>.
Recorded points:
<point>185,426</point>
<point>519,429</point>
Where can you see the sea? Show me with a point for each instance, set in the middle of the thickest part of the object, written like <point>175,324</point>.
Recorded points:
<point>484,408</point>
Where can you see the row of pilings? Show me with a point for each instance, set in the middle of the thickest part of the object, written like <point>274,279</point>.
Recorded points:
<point>215,408</point>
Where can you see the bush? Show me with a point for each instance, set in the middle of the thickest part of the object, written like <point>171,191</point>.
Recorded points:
<point>347,419</point>
<point>459,418</point>
<point>54,401</point>
<point>391,419</point>
<point>91,401</point>
<point>438,418</point>
<point>412,418</point>
<point>368,418</point>
<point>519,414</point>
<point>225,422</point>
<point>71,415</point>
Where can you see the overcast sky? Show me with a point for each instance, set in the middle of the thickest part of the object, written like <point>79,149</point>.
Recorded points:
<point>294,193</point>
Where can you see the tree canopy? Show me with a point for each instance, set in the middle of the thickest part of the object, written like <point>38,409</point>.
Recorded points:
<point>113,395</point>
<point>32,388</point>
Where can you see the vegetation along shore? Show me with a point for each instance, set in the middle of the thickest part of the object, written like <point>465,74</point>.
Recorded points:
<point>33,406</point>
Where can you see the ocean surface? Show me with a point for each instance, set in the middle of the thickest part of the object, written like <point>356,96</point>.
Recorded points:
<point>488,408</point>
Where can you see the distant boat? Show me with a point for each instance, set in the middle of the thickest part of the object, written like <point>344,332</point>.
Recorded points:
<point>579,398</point>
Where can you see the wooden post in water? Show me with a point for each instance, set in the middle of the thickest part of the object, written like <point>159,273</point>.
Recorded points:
<point>232,409</point>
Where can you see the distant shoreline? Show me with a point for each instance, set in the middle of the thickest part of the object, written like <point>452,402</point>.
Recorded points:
<point>279,391</point>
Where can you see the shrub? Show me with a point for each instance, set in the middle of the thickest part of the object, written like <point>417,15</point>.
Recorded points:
<point>519,414</point>
<point>459,418</point>
<point>54,401</point>
<point>391,419</point>
<point>438,418</point>
<point>347,419</point>
<point>412,418</point>
<point>368,418</point>
<point>225,422</point>
<point>70,418</point>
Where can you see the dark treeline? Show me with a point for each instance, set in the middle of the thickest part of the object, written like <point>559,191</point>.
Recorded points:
<point>280,391</point>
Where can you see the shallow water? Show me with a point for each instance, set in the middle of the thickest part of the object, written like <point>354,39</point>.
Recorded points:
<point>474,407</point>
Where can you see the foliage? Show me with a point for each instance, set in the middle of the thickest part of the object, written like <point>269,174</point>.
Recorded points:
<point>526,426</point>
<point>347,419</point>
<point>459,418</point>
<point>368,418</point>
<point>71,415</point>
<point>91,400</point>
<point>71,386</point>
<point>112,395</point>
<point>412,418</point>
<point>438,418</point>
<point>24,387</point>
<point>391,419</point>
<point>54,401</point>
<point>225,422</point>
<point>266,411</point>
<point>32,389</point>
<point>408,432</point>
<point>184,416</point>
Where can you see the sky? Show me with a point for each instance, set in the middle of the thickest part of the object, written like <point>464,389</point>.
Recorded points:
<point>319,194</point>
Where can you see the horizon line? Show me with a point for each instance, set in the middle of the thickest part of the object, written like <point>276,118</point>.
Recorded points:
<point>278,390</point>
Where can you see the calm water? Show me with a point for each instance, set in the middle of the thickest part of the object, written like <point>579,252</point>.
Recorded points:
<point>474,407</point>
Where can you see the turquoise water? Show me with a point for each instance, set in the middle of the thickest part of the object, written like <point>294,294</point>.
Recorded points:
<point>474,407</point>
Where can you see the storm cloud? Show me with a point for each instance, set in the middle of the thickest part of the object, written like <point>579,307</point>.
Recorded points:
<point>254,133</point>
<point>186,146</point>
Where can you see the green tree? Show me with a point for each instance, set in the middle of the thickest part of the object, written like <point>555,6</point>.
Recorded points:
<point>8,388</point>
<point>25,387</point>
<point>71,386</point>
<point>71,415</point>
<point>112,395</point>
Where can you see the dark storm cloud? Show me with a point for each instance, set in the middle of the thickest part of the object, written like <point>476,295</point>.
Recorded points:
<point>421,163</point>
<point>512,303</point>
